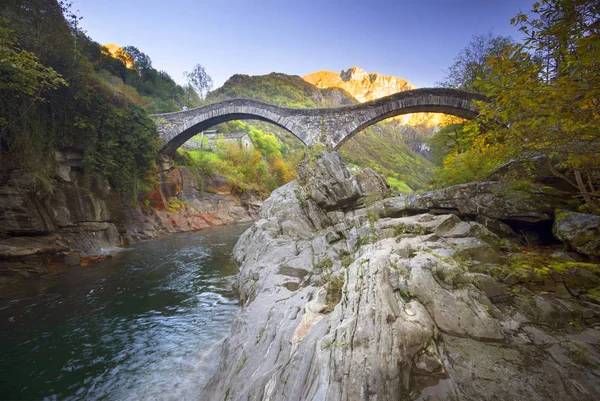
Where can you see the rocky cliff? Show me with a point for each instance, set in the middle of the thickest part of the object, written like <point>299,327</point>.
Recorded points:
<point>43,229</point>
<point>364,86</point>
<point>348,295</point>
<point>181,203</point>
<point>361,85</point>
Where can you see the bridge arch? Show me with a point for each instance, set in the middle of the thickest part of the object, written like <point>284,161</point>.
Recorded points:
<point>427,100</point>
<point>177,128</point>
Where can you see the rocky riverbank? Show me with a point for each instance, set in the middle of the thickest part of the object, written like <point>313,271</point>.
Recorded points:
<point>44,229</point>
<point>348,295</point>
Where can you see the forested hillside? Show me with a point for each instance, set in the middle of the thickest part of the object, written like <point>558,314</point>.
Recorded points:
<point>381,147</point>
<point>61,90</point>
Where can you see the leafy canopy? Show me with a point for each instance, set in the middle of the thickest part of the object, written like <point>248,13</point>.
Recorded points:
<point>544,97</point>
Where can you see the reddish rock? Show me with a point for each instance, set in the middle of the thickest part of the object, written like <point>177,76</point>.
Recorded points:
<point>157,199</point>
<point>170,184</point>
<point>198,223</point>
<point>217,184</point>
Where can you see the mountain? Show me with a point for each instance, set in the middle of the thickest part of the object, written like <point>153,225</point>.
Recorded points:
<point>357,82</point>
<point>281,89</point>
<point>364,86</point>
<point>380,146</point>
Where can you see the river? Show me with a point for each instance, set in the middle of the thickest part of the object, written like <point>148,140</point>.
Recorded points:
<point>145,325</point>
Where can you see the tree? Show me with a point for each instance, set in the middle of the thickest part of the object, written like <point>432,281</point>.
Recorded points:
<point>189,97</point>
<point>471,61</point>
<point>545,94</point>
<point>199,79</point>
<point>142,61</point>
<point>24,82</point>
<point>447,140</point>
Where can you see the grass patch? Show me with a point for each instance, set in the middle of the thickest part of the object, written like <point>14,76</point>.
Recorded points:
<point>201,155</point>
<point>399,185</point>
<point>335,283</point>
<point>324,264</point>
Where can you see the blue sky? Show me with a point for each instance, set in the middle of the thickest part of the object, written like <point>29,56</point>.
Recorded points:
<point>412,39</point>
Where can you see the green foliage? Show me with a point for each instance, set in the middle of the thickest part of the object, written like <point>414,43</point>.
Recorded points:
<point>324,264</point>
<point>155,90</point>
<point>543,101</point>
<point>381,147</point>
<point>373,216</point>
<point>335,285</point>
<point>24,85</point>
<point>267,144</point>
<point>269,165</point>
<point>412,229</point>
<point>240,366</point>
<point>475,164</point>
<point>447,140</point>
<point>544,93</point>
<point>399,186</point>
<point>176,204</point>
<point>21,74</point>
<point>244,168</point>
<point>53,96</point>
<point>203,160</point>
<point>345,257</point>
<point>275,88</point>
<point>532,269</point>
<point>346,261</point>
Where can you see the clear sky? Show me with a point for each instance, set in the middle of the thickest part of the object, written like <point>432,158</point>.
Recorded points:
<point>412,39</point>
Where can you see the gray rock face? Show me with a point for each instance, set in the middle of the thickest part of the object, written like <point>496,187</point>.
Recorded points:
<point>41,230</point>
<point>22,211</point>
<point>328,182</point>
<point>493,199</point>
<point>580,232</point>
<point>348,304</point>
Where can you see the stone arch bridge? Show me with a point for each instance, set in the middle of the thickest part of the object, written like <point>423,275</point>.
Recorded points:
<point>328,126</point>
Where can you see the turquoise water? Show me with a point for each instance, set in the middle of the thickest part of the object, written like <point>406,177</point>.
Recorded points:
<point>146,325</point>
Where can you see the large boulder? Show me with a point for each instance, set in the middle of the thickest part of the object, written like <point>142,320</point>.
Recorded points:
<point>494,199</point>
<point>579,231</point>
<point>332,185</point>
<point>535,169</point>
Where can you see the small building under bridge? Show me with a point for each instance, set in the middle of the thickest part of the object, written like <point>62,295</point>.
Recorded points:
<point>208,140</point>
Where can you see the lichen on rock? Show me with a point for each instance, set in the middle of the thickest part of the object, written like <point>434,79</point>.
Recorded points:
<point>351,296</point>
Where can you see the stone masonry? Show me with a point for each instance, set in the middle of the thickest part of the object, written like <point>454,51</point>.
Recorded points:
<point>328,126</point>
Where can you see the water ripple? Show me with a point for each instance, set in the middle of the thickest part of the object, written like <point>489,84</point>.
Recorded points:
<point>146,325</point>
